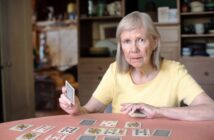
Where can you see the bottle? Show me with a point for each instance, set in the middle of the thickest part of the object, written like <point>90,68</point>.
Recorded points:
<point>90,7</point>
<point>184,6</point>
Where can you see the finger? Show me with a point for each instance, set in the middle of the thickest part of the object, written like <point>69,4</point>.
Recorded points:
<point>65,99</point>
<point>63,106</point>
<point>125,105</point>
<point>126,109</point>
<point>69,111</point>
<point>64,89</point>
<point>135,107</point>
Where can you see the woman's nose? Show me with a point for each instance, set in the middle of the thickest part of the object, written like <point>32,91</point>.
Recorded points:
<point>134,47</point>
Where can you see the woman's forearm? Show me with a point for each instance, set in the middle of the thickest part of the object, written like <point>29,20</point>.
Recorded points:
<point>192,113</point>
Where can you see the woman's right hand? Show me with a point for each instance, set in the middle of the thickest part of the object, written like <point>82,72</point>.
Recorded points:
<point>66,104</point>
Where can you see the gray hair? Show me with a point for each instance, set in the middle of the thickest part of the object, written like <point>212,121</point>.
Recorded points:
<point>133,21</point>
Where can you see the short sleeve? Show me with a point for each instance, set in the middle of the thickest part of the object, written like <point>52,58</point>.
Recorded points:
<point>187,88</point>
<point>105,89</point>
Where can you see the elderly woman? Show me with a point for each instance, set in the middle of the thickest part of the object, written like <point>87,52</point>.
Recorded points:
<point>141,80</point>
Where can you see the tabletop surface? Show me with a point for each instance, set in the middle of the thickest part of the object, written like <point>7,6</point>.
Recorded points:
<point>180,130</point>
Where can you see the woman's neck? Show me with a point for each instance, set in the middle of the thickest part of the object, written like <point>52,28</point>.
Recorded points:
<point>143,75</point>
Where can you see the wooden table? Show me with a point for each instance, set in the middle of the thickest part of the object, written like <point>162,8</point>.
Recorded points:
<point>181,130</point>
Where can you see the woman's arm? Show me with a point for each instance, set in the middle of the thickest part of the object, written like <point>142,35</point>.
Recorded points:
<point>202,108</point>
<point>92,106</point>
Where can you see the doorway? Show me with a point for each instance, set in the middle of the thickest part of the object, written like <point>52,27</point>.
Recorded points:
<point>51,67</point>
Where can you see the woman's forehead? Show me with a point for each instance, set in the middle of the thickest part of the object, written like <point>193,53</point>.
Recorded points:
<point>139,31</point>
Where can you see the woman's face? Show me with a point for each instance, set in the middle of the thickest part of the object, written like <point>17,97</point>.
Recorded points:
<point>137,47</point>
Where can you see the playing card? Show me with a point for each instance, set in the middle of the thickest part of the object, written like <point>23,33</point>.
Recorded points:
<point>132,125</point>
<point>87,137</point>
<point>70,94</point>
<point>28,136</point>
<point>137,113</point>
<point>95,131</point>
<point>57,136</point>
<point>109,123</point>
<point>162,133</point>
<point>141,132</point>
<point>87,122</point>
<point>43,128</point>
<point>21,127</point>
<point>68,130</point>
<point>112,138</point>
<point>115,132</point>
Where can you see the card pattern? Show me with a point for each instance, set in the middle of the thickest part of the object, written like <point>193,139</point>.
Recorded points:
<point>28,136</point>
<point>162,133</point>
<point>68,130</point>
<point>56,136</point>
<point>70,94</point>
<point>106,131</point>
<point>87,137</point>
<point>108,123</point>
<point>21,127</point>
<point>141,132</point>
<point>43,128</point>
<point>132,125</point>
<point>87,122</point>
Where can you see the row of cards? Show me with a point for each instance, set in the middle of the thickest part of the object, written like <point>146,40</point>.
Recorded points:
<point>110,123</point>
<point>64,132</point>
<point>88,122</point>
<point>122,132</point>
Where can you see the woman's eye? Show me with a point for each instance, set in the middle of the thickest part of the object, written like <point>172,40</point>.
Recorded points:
<point>126,41</point>
<point>141,40</point>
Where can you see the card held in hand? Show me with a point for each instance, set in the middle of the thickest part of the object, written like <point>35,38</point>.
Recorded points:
<point>70,94</point>
<point>137,114</point>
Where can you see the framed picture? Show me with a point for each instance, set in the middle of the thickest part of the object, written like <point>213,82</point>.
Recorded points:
<point>108,30</point>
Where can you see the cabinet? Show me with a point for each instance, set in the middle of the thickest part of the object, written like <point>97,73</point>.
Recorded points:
<point>196,53</point>
<point>91,68</point>
<point>201,68</point>
<point>91,71</point>
<point>170,41</point>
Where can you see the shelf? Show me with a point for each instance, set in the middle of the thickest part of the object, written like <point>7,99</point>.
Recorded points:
<point>197,13</point>
<point>196,58</point>
<point>196,35</point>
<point>102,58</point>
<point>166,24</point>
<point>100,17</point>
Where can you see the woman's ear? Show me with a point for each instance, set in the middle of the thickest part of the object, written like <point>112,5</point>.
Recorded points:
<point>155,43</point>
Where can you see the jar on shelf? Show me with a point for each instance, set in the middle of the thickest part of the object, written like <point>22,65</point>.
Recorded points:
<point>185,6</point>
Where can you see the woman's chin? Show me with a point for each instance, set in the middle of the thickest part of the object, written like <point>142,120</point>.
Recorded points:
<point>136,64</point>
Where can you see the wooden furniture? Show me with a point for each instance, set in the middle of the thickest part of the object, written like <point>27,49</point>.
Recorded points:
<point>91,69</point>
<point>172,43</point>
<point>193,130</point>
<point>201,68</point>
<point>16,60</point>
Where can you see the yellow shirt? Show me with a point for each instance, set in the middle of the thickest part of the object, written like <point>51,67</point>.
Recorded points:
<point>171,85</point>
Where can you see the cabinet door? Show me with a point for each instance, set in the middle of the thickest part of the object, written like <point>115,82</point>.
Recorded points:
<point>90,72</point>
<point>209,88</point>
<point>17,59</point>
<point>169,52</point>
<point>201,68</point>
<point>170,42</point>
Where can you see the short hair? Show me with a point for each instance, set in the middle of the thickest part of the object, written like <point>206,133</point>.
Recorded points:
<point>132,21</point>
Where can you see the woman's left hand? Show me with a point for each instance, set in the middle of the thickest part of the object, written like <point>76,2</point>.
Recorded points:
<point>148,110</point>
